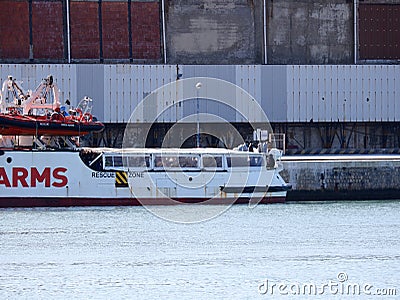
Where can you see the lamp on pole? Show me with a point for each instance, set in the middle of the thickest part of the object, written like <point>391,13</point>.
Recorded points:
<point>198,86</point>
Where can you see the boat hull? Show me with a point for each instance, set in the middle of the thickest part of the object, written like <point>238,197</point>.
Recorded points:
<point>15,202</point>
<point>26,125</point>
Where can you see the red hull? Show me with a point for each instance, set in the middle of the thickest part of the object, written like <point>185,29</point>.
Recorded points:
<point>30,125</point>
<point>68,202</point>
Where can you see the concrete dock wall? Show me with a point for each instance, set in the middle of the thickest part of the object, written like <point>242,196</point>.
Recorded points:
<point>342,177</point>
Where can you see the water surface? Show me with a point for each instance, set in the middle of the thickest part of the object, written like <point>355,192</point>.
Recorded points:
<point>128,253</point>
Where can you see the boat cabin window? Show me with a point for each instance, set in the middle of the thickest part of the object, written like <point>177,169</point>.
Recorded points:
<point>212,162</point>
<point>123,162</point>
<point>118,162</point>
<point>256,161</point>
<point>113,162</point>
<point>174,161</point>
<point>245,161</point>
<point>138,161</point>
<point>237,161</point>
<point>109,161</point>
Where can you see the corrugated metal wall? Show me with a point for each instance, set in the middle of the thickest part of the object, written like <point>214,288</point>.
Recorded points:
<point>318,93</point>
<point>343,93</point>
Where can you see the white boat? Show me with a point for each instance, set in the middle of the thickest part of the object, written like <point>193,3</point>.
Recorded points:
<point>104,176</point>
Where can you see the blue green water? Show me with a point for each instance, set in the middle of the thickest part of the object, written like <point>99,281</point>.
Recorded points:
<point>128,253</point>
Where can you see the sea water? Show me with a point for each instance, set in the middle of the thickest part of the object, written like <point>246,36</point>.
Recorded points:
<point>292,251</point>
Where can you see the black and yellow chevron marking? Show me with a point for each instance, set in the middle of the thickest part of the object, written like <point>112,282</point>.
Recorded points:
<point>121,179</point>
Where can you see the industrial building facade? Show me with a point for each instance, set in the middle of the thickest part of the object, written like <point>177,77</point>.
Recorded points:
<point>325,72</point>
<point>200,32</point>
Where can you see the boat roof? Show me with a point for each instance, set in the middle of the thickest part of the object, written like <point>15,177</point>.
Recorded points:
<point>185,151</point>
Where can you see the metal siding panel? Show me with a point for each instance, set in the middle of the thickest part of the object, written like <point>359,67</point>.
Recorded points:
<point>384,93</point>
<point>5,71</point>
<point>146,80</point>
<point>397,93</point>
<point>242,82</point>
<point>348,116</point>
<point>126,110</point>
<point>152,105</point>
<point>163,78</point>
<point>364,94</point>
<point>136,87</point>
<point>351,88</point>
<point>67,83</point>
<point>361,103</point>
<point>322,95</point>
<point>308,92</point>
<point>130,93</point>
<point>373,99</point>
<point>247,86</point>
<point>302,93</point>
<point>256,84</point>
<point>334,93</point>
<point>340,93</point>
<point>378,94</point>
<point>369,93</point>
<point>227,73</point>
<point>88,83</point>
<point>290,93</point>
<point>267,91</point>
<point>160,75</point>
<point>157,74</point>
<point>224,72</point>
<point>328,93</point>
<point>119,92</point>
<point>315,90</point>
<point>27,74</point>
<point>171,75</point>
<point>296,93</point>
<point>391,93</point>
<point>279,95</point>
<point>113,95</point>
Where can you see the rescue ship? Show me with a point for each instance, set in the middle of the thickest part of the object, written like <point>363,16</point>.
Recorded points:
<point>104,176</point>
<point>36,171</point>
